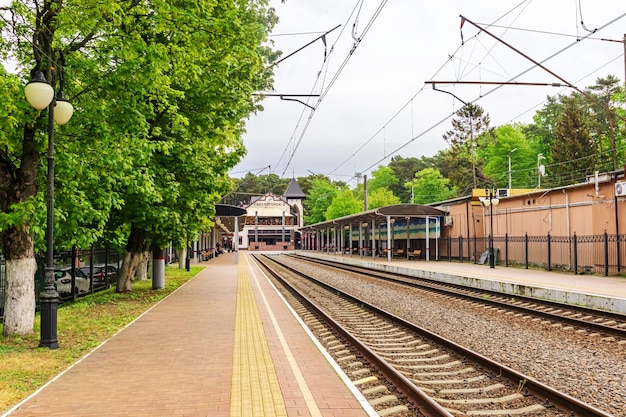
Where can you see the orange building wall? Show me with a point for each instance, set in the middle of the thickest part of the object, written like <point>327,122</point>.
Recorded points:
<point>559,212</point>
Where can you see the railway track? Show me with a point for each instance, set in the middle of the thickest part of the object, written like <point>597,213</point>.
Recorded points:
<point>433,376</point>
<point>607,325</point>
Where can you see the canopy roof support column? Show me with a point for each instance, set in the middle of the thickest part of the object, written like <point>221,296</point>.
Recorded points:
<point>389,248</point>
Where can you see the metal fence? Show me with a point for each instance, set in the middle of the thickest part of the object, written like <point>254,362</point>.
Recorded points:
<point>77,273</point>
<point>596,254</point>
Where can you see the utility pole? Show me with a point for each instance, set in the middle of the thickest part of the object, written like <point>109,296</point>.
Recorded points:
<point>510,172</point>
<point>365,205</point>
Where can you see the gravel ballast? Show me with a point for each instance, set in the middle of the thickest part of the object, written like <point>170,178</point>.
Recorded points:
<point>587,368</point>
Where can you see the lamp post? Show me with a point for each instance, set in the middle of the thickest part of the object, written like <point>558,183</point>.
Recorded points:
<point>510,152</point>
<point>40,94</point>
<point>540,169</point>
<point>490,200</point>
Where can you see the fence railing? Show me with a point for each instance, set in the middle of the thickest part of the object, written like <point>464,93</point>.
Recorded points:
<point>596,254</point>
<point>76,272</point>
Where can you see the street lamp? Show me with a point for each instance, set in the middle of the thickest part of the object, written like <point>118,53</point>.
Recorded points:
<point>490,200</point>
<point>541,170</point>
<point>40,94</point>
<point>510,152</point>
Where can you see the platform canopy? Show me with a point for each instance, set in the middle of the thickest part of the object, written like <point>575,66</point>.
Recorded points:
<point>396,211</point>
<point>225,217</point>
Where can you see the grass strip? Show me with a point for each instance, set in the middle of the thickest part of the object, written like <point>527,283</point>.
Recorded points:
<point>82,325</point>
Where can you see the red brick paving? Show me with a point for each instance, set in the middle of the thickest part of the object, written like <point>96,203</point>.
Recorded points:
<point>176,360</point>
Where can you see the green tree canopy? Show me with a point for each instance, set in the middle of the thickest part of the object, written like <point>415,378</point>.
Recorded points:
<point>343,204</point>
<point>573,155</point>
<point>508,143</point>
<point>404,169</point>
<point>430,186</point>
<point>381,197</point>
<point>470,123</point>
<point>318,200</point>
<point>382,177</point>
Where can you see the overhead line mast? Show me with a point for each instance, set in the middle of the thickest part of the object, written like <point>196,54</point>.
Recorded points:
<point>567,83</point>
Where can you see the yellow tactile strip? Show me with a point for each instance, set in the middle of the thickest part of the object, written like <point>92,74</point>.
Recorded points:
<point>254,387</point>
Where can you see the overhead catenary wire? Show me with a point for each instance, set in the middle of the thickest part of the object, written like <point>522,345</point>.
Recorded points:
<point>399,111</point>
<point>318,80</point>
<point>334,79</point>
<point>487,93</point>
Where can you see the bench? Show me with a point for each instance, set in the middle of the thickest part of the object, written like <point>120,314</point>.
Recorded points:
<point>415,254</point>
<point>399,253</point>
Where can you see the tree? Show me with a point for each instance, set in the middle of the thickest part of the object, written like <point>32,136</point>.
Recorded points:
<point>343,204</point>
<point>382,197</point>
<point>430,186</point>
<point>191,151</point>
<point>603,123</point>
<point>319,198</point>
<point>456,165</point>
<point>504,142</point>
<point>161,90</point>
<point>383,177</point>
<point>544,126</point>
<point>470,123</point>
<point>404,169</point>
<point>573,153</point>
<point>255,185</point>
<point>24,142</point>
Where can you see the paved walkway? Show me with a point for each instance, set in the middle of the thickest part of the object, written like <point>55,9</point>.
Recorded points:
<point>224,344</point>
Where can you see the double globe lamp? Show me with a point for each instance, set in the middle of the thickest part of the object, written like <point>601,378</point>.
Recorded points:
<point>40,94</point>
<point>490,200</point>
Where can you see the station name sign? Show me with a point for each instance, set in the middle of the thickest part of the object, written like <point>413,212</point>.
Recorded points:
<point>271,204</point>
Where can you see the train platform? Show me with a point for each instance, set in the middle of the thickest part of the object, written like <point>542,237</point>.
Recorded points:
<point>223,344</point>
<point>600,292</point>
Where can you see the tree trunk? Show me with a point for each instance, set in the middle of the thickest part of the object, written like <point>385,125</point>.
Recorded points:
<point>181,258</point>
<point>135,248</point>
<point>142,270</point>
<point>20,301</point>
<point>149,265</point>
<point>17,185</point>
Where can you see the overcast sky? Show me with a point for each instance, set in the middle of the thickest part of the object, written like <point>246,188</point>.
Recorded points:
<point>374,102</point>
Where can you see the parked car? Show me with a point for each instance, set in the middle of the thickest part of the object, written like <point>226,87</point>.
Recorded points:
<point>103,273</point>
<point>63,281</point>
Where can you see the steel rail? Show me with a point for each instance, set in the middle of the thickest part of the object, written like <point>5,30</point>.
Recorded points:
<point>552,396</point>
<point>445,288</point>
<point>413,393</point>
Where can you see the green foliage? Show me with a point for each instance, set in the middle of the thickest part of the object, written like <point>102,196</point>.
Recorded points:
<point>381,197</point>
<point>404,169</point>
<point>255,185</point>
<point>573,156</point>
<point>430,186</point>
<point>343,204</point>
<point>542,130</point>
<point>504,142</point>
<point>383,177</point>
<point>169,109</point>
<point>318,200</point>
<point>461,164</point>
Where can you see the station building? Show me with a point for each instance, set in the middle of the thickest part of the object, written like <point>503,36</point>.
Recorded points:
<point>272,222</point>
